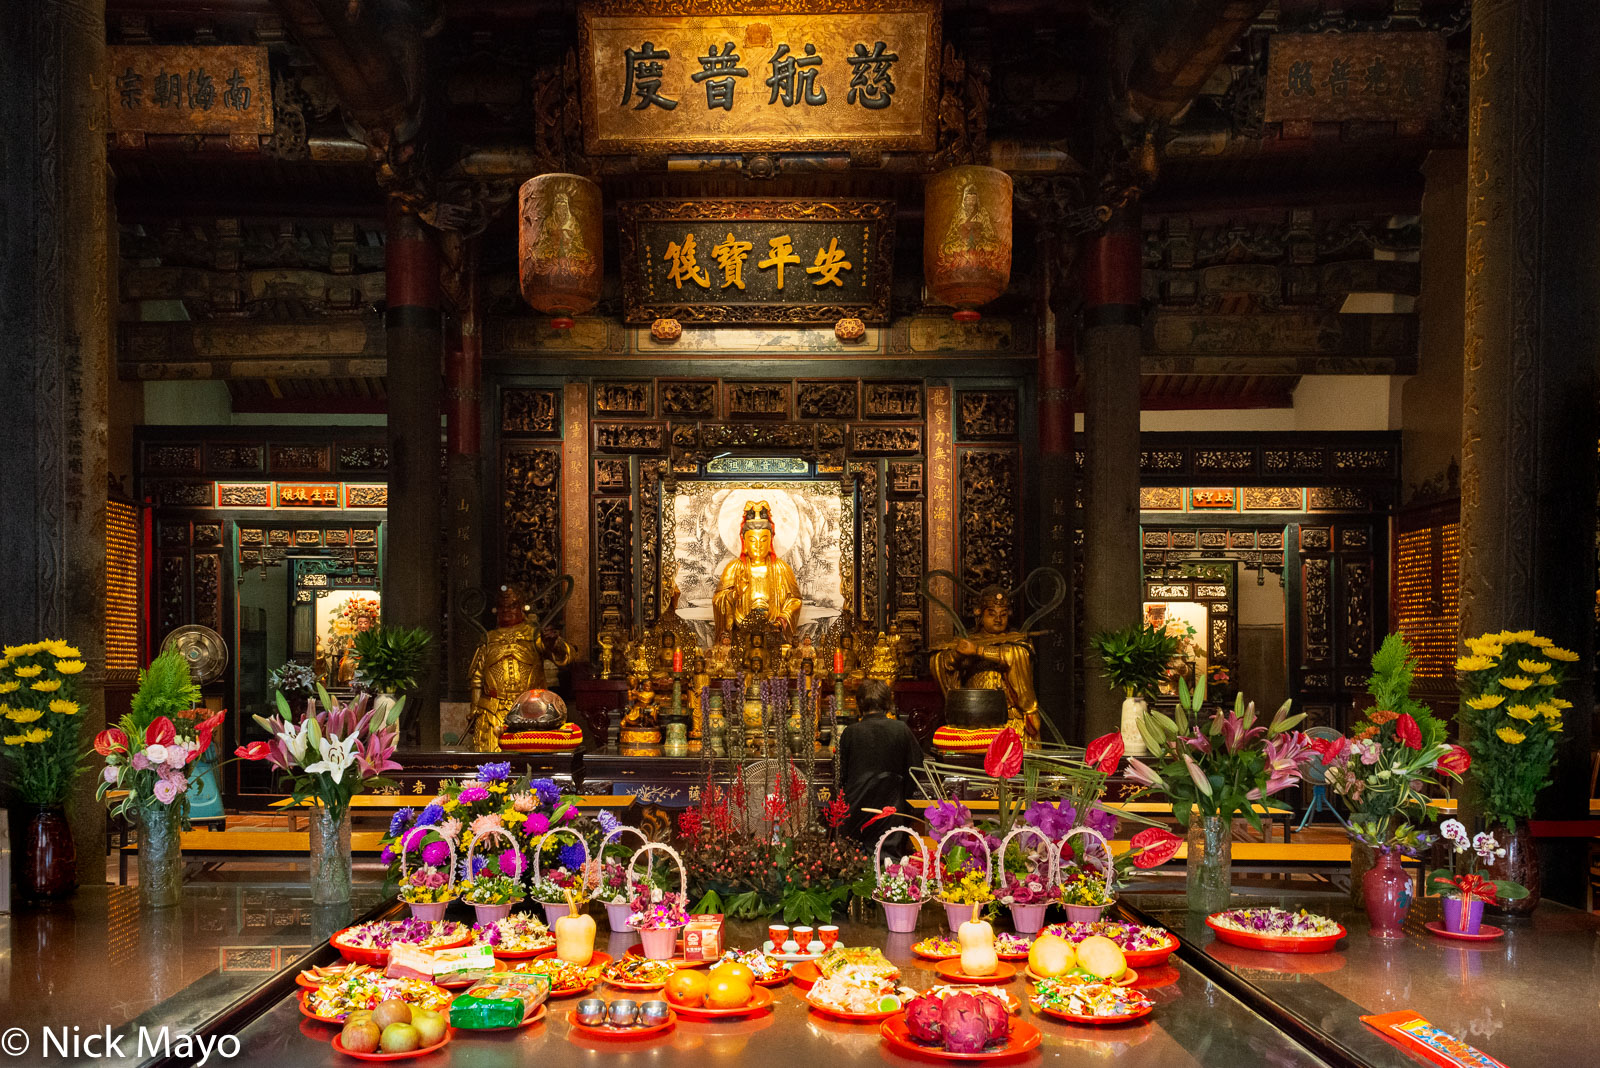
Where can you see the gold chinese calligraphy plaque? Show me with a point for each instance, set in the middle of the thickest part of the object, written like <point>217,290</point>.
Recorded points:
<point>756,260</point>
<point>759,76</point>
<point>188,89</point>
<point>1332,77</point>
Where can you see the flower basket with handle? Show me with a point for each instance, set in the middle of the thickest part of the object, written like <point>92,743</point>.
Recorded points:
<point>554,907</point>
<point>1090,913</point>
<point>1028,917</point>
<point>617,912</point>
<point>662,916</point>
<point>492,911</point>
<point>980,891</point>
<point>437,899</point>
<point>901,916</point>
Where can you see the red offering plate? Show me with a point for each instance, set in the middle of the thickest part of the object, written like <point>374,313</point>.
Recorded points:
<point>1018,956</point>
<point>392,1056</point>
<point>621,985</point>
<point>852,1017</point>
<point>926,951</point>
<point>777,980</point>
<point>524,954</point>
<point>1097,1021</point>
<point>804,974</point>
<point>1149,958</point>
<point>951,970</point>
<point>1276,943</point>
<point>538,1014</point>
<point>378,958</point>
<point>462,984</point>
<point>760,1001</point>
<point>607,1031</point>
<point>305,1010</point>
<point>302,980</point>
<point>1024,1037</point>
<point>637,950</point>
<point>1486,933</point>
<point>1127,978</point>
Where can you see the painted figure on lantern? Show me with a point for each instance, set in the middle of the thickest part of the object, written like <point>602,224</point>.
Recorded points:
<point>509,663</point>
<point>994,658</point>
<point>971,235</point>
<point>757,586</point>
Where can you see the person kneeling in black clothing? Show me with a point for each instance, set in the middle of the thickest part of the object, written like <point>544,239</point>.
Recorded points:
<point>876,756</point>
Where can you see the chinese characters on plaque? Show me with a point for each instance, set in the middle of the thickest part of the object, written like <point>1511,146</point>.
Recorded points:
<point>1394,77</point>
<point>821,74</point>
<point>188,89</point>
<point>756,260</point>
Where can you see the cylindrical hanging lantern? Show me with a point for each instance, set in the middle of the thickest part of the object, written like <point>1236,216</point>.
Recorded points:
<point>558,245</point>
<point>966,237</point>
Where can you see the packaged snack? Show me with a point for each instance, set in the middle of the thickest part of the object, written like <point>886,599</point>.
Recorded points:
<point>463,962</point>
<point>1417,1036</point>
<point>504,999</point>
<point>410,962</point>
<point>702,937</point>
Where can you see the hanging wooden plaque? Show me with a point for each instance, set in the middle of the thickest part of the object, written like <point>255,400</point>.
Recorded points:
<point>188,89</point>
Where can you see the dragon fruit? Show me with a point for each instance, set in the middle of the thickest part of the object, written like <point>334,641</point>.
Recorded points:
<point>965,1028</point>
<point>923,1019</point>
<point>995,1015</point>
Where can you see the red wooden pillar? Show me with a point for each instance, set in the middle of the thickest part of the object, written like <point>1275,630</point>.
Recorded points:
<point>1055,676</point>
<point>464,470</point>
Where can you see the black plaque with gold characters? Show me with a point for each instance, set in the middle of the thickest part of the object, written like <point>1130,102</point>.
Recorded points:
<point>756,260</point>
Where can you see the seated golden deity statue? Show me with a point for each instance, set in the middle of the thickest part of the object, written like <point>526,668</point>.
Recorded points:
<point>885,665</point>
<point>757,586</point>
<point>509,663</point>
<point>993,658</point>
<point>722,663</point>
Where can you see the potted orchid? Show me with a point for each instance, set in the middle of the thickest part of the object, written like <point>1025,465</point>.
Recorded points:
<point>1465,894</point>
<point>327,757</point>
<point>658,915</point>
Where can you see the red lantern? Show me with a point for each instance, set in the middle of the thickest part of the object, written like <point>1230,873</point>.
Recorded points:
<point>558,245</point>
<point>966,237</point>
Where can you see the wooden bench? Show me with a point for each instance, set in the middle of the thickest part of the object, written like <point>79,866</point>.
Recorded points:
<point>1447,806</point>
<point>1268,816</point>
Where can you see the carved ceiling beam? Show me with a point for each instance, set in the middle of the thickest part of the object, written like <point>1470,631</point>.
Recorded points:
<point>1177,51</point>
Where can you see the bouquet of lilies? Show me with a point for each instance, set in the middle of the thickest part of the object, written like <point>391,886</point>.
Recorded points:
<point>1469,885</point>
<point>332,754</point>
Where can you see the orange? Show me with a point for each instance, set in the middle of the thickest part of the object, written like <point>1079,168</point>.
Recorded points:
<point>728,993</point>
<point>687,987</point>
<point>734,970</point>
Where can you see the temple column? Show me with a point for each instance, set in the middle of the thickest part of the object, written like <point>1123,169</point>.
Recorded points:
<point>1112,345</point>
<point>1057,506</point>
<point>1528,421</point>
<point>55,364</point>
<point>413,560</point>
<point>464,470</point>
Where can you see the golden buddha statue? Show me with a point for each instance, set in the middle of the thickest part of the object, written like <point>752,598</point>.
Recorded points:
<point>509,663</point>
<point>757,586</point>
<point>885,665</point>
<point>722,663</point>
<point>993,658</point>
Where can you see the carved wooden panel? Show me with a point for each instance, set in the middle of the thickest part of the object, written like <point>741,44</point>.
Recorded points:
<point>208,590</point>
<point>530,413</point>
<point>208,534</point>
<point>611,475</point>
<point>869,509</point>
<point>758,435</point>
<point>613,561</point>
<point>697,399</point>
<point>530,517</point>
<point>986,414</point>
<point>172,593</point>
<point>364,457</point>
<point>891,400</point>
<point>233,458</point>
<point>907,557</point>
<point>886,440</point>
<point>624,398</point>
<point>1316,610</point>
<point>757,400</point>
<point>171,457</point>
<point>989,510</point>
<point>826,400</point>
<point>299,459</point>
<point>629,437</point>
<point>172,533</point>
<point>1356,609</point>
<point>905,477</point>
<point>650,472</point>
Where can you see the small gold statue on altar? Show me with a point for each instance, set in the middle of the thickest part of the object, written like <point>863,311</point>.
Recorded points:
<point>993,658</point>
<point>757,586</point>
<point>641,723</point>
<point>885,664</point>
<point>509,663</point>
<point>722,663</point>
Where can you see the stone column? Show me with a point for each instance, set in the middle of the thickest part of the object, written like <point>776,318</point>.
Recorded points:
<point>55,361</point>
<point>1056,678</point>
<point>413,562</point>
<point>1528,421</point>
<point>1112,344</point>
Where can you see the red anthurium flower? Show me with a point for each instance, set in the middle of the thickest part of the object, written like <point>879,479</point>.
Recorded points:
<point>202,741</point>
<point>1155,845</point>
<point>253,751</point>
<point>1104,752</point>
<point>160,732</point>
<point>1456,760</point>
<point>888,810</point>
<point>1407,731</point>
<point>1004,758</point>
<point>111,740</point>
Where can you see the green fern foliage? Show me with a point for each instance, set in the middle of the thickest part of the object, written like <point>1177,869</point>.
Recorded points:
<point>165,688</point>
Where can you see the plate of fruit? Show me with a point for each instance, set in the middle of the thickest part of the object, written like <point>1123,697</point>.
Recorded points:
<point>638,973</point>
<point>1089,1003</point>
<point>392,1031</point>
<point>960,1025</point>
<point>768,970</point>
<point>727,989</point>
<point>1096,959</point>
<point>335,1000</point>
<point>1142,946</point>
<point>566,978</point>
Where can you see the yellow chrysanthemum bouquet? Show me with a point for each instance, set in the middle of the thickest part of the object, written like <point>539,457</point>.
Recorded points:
<point>1509,682</point>
<point>39,735</point>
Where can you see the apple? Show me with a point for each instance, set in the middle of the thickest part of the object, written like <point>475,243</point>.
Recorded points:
<point>392,1011</point>
<point>399,1038</point>
<point>430,1026</point>
<point>359,1036</point>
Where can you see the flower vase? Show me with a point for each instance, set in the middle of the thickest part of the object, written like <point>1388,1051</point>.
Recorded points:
<point>554,910</point>
<point>1209,882</point>
<point>901,916</point>
<point>330,857</point>
<point>428,911</point>
<point>956,915</point>
<point>1519,865</point>
<point>1463,916</point>
<point>1086,913</point>
<point>160,856</point>
<point>1386,890</point>
<point>49,860</point>
<point>1132,741</point>
<point>617,913</point>
<point>1028,919</point>
<point>659,943</point>
<point>494,913</point>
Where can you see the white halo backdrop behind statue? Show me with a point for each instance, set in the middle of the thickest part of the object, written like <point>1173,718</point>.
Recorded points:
<point>785,518</point>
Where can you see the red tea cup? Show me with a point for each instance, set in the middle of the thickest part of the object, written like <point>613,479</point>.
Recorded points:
<point>829,935</point>
<point>779,933</point>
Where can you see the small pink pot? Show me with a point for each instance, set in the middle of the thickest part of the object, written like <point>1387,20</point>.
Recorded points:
<point>617,916</point>
<point>1028,919</point>
<point>956,915</point>
<point>901,916</point>
<point>493,913</point>
<point>428,911</point>
<point>1085,913</point>
<point>554,910</point>
<point>661,943</point>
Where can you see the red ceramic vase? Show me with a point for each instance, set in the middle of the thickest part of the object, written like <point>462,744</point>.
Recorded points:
<point>1386,890</point>
<point>49,861</point>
